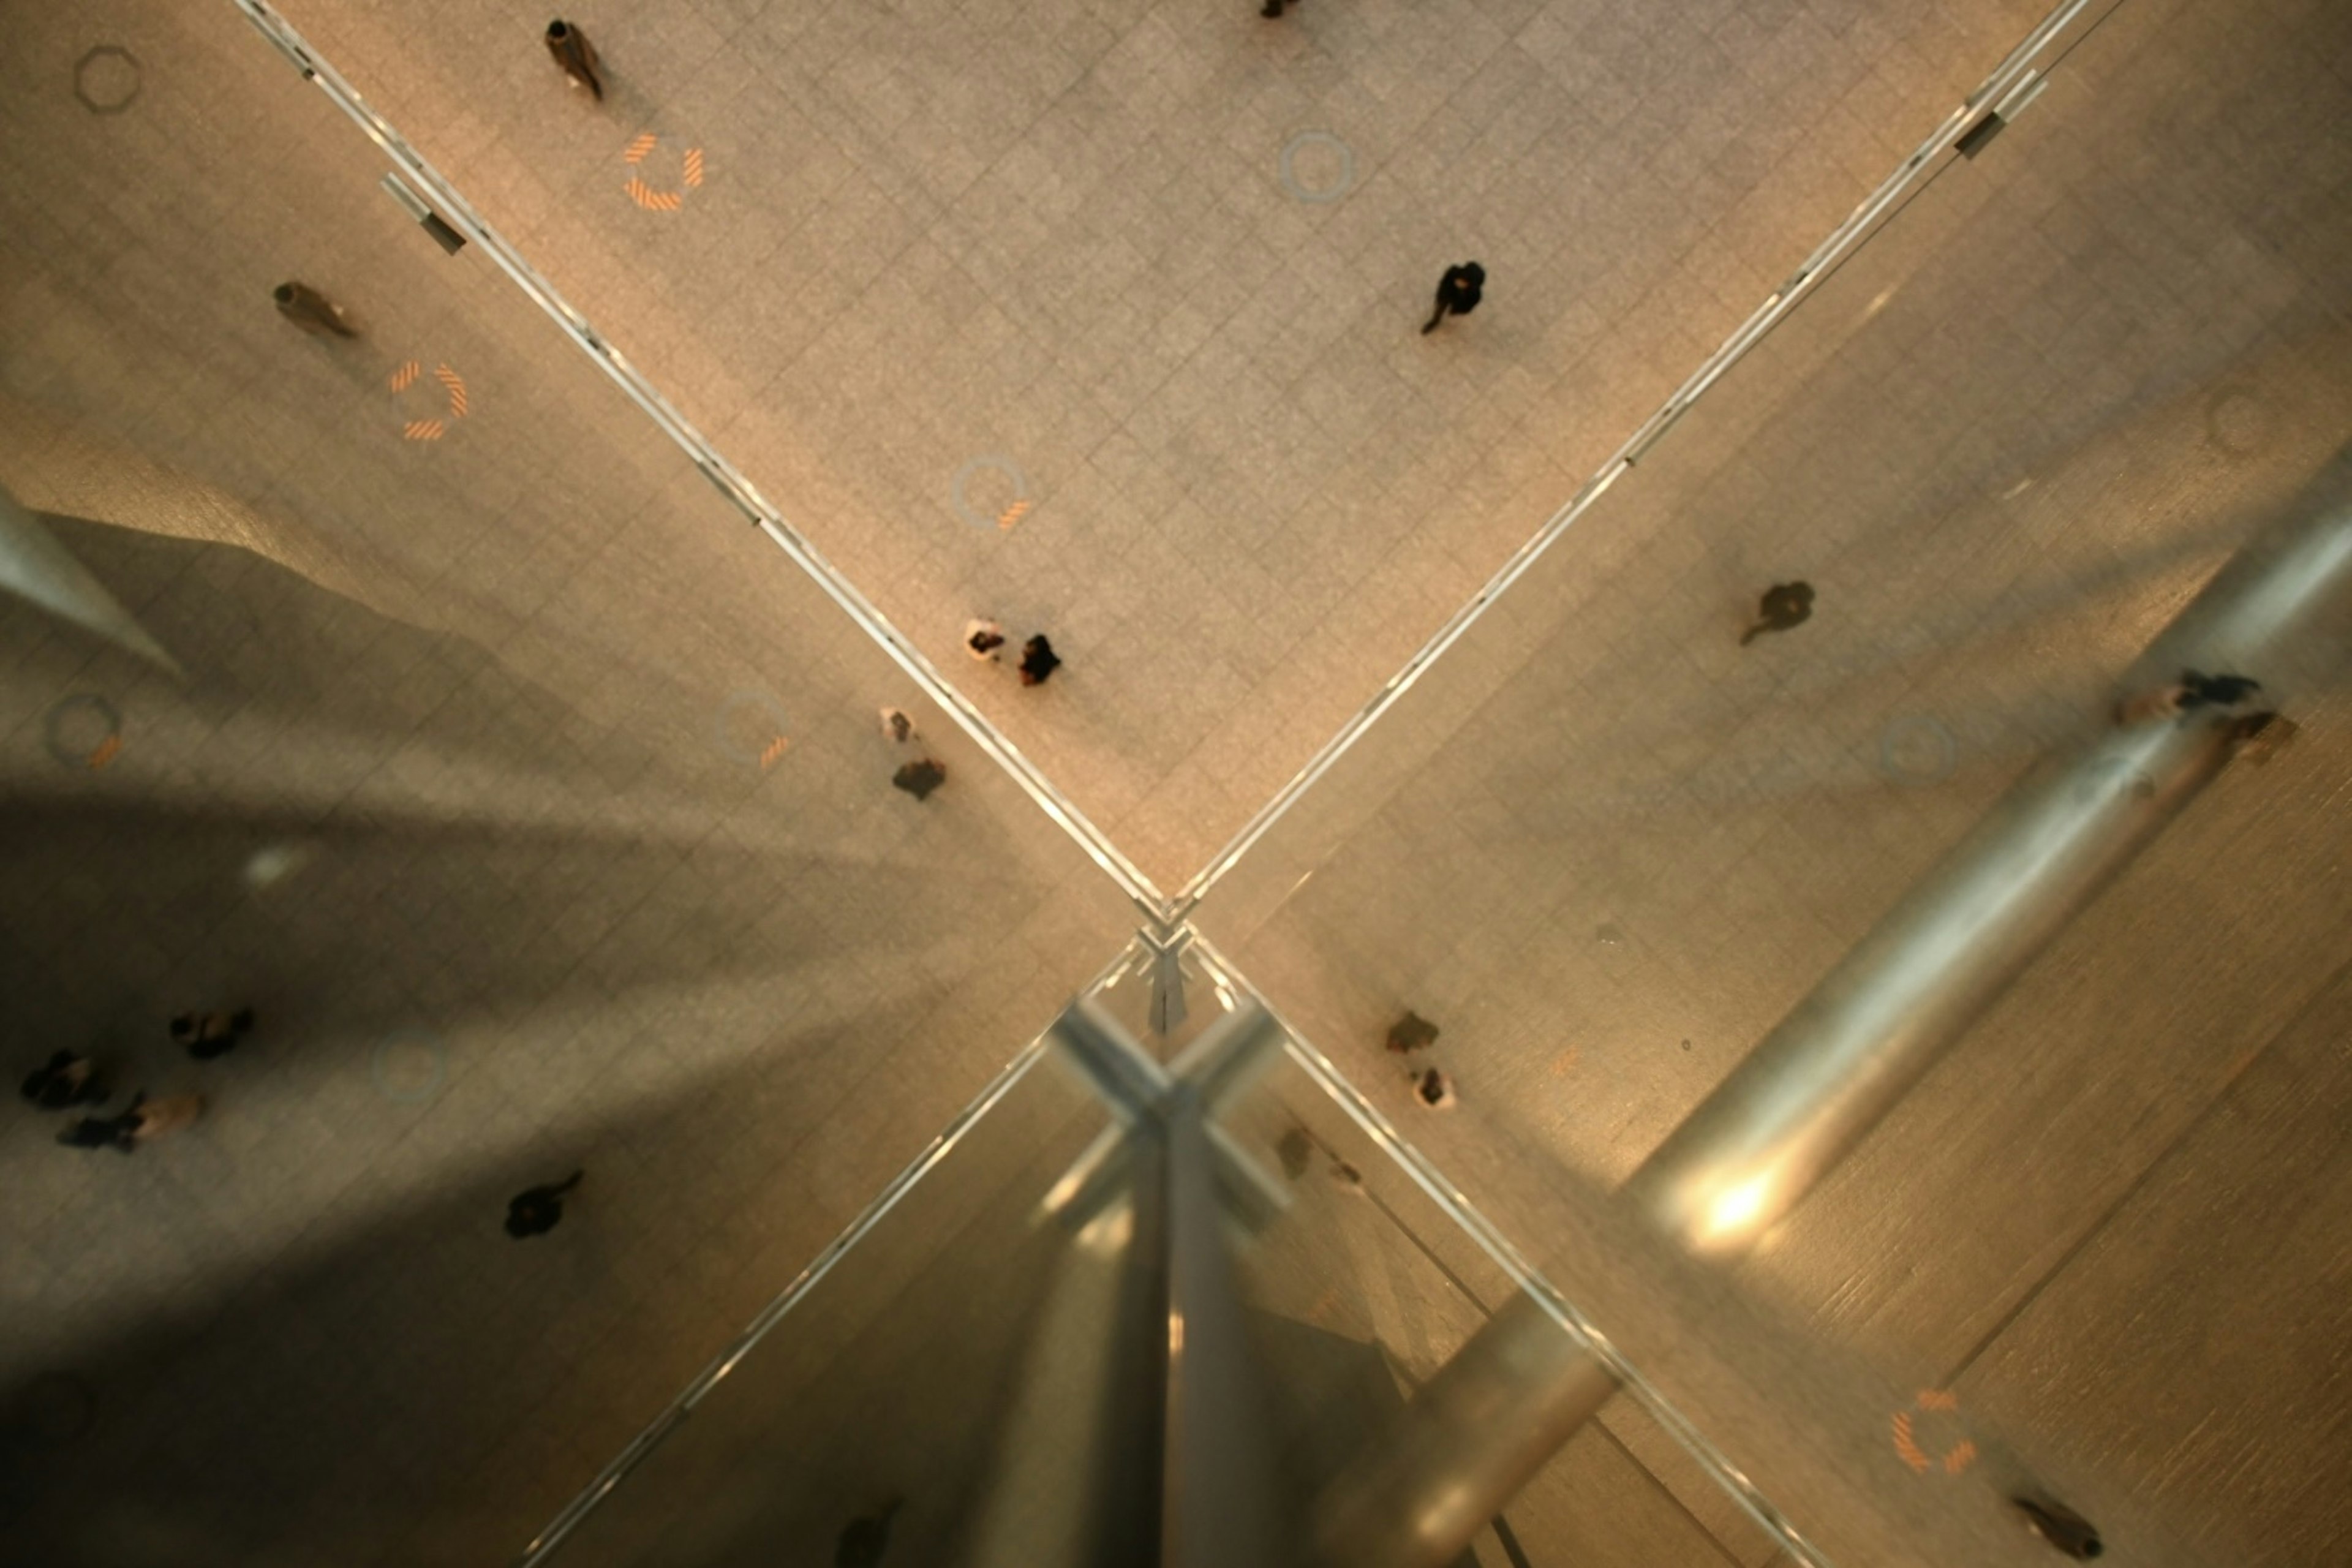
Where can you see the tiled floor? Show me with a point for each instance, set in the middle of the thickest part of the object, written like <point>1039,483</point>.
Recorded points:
<point>1056,233</point>
<point>471,792</point>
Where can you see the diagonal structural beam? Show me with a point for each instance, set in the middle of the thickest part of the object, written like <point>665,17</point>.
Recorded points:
<point>2280,611</point>
<point>34,565</point>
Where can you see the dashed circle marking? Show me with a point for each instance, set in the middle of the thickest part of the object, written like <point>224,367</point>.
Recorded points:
<point>650,198</point>
<point>2236,421</point>
<point>453,389</point>
<point>1006,516</point>
<point>770,732</point>
<point>84,730</point>
<point>1935,1414</point>
<point>410,1065</point>
<point>1318,193</point>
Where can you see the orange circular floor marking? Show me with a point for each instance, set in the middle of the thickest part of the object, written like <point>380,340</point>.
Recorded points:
<point>645,195</point>
<point>453,386</point>
<point>1953,1459</point>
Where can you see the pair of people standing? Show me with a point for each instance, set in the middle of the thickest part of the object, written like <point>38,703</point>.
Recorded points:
<point>983,639</point>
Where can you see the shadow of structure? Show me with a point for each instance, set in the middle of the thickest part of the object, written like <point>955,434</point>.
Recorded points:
<point>351,821</point>
<point>428,1390</point>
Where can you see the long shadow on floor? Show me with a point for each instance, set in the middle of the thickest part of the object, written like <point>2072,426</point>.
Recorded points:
<point>426,1390</point>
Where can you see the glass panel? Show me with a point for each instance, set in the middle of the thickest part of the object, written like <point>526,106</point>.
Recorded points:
<point>1366,1285</point>
<point>933,1373</point>
<point>536,805</point>
<point>1605,846</point>
<point>892,1386</point>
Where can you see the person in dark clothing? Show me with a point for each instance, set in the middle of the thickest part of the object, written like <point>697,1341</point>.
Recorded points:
<point>2215,691</point>
<point>1272,9</point>
<point>147,1119</point>
<point>535,1210</point>
<point>312,312</point>
<point>577,56</point>
<point>920,778</point>
<point>2061,1527</point>
<point>143,1121</point>
<point>1412,1033</point>
<point>864,1539</point>
<point>1785,606</point>
<point>2192,690</point>
<point>1297,1152</point>
<point>1038,661</point>
<point>98,1131</point>
<point>981,639</point>
<point>1435,1089</point>
<point>65,1081</point>
<point>1458,293</point>
<point>209,1034</point>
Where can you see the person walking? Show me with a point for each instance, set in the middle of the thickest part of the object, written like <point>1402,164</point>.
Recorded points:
<point>534,1211</point>
<point>1038,661</point>
<point>897,727</point>
<point>1785,606</point>
<point>2215,691</point>
<point>577,56</point>
<point>312,312</point>
<point>2061,1527</point>
<point>97,1132</point>
<point>147,1119</point>
<point>1458,293</point>
<point>920,777</point>
<point>1412,1033</point>
<point>1272,10</point>
<point>65,1081</point>
<point>1435,1089</point>
<point>209,1034</point>
<point>982,639</point>
<point>2192,690</point>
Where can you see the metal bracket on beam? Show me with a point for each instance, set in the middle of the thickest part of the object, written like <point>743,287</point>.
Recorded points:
<point>1167,962</point>
<point>1230,1055</point>
<point>417,207</point>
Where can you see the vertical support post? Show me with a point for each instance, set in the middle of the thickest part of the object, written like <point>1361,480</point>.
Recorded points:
<point>1846,1054</point>
<point>1222,1505</point>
